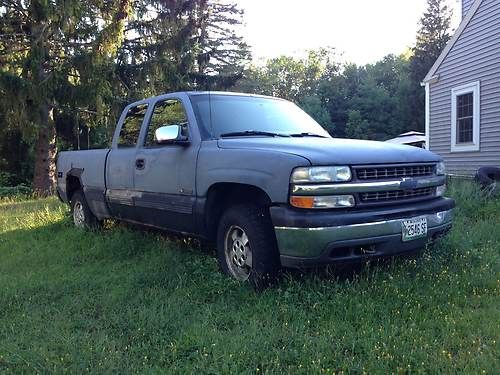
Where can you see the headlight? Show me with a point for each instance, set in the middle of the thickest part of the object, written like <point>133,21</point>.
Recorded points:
<point>326,201</point>
<point>440,169</point>
<point>321,174</point>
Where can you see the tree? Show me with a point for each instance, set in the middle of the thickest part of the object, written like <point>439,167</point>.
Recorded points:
<point>40,43</point>
<point>221,54</point>
<point>297,80</point>
<point>337,88</point>
<point>370,97</point>
<point>157,54</point>
<point>356,126</point>
<point>432,37</point>
<point>181,44</point>
<point>316,109</point>
<point>65,63</point>
<point>281,77</point>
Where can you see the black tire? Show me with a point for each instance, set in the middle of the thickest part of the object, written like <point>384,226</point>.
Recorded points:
<point>488,178</point>
<point>80,212</point>
<point>255,223</point>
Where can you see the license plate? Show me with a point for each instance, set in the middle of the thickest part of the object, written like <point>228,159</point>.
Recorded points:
<point>412,229</point>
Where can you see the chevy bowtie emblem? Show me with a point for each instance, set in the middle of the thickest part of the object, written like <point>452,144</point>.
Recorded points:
<point>408,184</point>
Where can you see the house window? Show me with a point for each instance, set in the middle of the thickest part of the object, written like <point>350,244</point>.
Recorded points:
<point>465,126</point>
<point>465,110</point>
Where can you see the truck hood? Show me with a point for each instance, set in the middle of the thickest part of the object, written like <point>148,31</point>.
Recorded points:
<point>323,151</point>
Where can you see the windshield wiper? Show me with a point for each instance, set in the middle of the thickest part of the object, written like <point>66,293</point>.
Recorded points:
<point>306,134</point>
<point>252,132</point>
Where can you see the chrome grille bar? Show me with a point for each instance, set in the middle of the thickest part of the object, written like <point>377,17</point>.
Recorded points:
<point>366,187</point>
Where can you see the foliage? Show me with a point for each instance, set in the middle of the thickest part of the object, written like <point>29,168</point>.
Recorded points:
<point>376,101</point>
<point>431,40</point>
<point>294,79</point>
<point>431,37</point>
<point>124,300</point>
<point>356,126</point>
<point>51,53</point>
<point>183,44</point>
<point>19,191</point>
<point>67,69</point>
<point>366,102</point>
<point>315,108</point>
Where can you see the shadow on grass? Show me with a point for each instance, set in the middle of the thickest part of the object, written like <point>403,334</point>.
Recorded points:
<point>347,272</point>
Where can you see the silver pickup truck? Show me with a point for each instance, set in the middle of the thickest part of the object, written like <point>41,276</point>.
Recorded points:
<point>259,178</point>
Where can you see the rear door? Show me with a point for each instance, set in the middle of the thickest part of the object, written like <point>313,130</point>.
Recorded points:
<point>121,161</point>
<point>165,173</point>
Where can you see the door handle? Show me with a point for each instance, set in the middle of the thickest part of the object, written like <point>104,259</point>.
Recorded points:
<point>140,163</point>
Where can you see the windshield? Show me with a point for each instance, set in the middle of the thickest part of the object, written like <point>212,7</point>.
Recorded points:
<point>249,115</point>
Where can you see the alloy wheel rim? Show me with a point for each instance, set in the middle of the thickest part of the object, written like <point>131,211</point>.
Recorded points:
<point>238,253</point>
<point>78,214</point>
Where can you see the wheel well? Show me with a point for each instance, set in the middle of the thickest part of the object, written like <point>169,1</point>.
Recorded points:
<point>72,184</point>
<point>221,196</point>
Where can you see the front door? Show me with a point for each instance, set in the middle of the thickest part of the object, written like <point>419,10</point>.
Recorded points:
<point>120,165</point>
<point>164,176</point>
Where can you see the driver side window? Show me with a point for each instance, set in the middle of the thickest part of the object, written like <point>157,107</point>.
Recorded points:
<point>165,113</point>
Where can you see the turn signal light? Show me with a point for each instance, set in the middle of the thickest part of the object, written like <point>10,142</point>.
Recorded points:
<point>326,201</point>
<point>302,202</point>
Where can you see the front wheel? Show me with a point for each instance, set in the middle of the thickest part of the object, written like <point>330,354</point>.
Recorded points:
<point>246,246</point>
<point>82,216</point>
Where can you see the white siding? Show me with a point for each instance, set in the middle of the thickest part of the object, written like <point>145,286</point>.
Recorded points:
<point>474,57</point>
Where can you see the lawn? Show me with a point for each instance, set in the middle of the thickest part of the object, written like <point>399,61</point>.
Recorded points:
<point>127,300</point>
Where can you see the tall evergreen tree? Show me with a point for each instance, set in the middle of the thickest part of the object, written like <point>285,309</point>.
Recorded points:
<point>39,46</point>
<point>181,44</point>
<point>221,53</point>
<point>157,54</point>
<point>432,37</point>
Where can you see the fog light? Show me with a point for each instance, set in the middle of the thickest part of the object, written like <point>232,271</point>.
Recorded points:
<point>327,201</point>
<point>440,216</point>
<point>440,190</point>
<point>440,169</point>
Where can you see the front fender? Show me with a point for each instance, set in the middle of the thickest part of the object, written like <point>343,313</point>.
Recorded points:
<point>267,170</point>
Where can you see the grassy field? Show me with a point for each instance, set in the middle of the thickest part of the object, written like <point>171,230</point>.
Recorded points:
<point>126,300</point>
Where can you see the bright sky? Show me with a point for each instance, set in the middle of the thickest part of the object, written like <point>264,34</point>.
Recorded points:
<point>362,30</point>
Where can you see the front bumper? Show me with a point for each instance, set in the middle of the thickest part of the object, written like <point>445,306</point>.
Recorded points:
<point>308,238</point>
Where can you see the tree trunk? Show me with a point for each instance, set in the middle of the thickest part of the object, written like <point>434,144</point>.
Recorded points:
<point>44,177</point>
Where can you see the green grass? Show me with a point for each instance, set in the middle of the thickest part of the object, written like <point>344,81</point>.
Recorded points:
<point>126,300</point>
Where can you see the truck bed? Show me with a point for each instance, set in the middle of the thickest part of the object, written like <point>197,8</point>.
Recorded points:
<point>89,165</point>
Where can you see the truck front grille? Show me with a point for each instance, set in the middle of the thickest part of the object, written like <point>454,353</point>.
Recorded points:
<point>383,172</point>
<point>397,195</point>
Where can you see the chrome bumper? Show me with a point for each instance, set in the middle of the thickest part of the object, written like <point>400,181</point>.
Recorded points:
<point>312,242</point>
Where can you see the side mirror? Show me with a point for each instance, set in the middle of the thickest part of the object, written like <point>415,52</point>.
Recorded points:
<point>169,134</point>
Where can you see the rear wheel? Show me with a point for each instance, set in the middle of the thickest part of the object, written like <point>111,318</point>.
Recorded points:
<point>80,211</point>
<point>246,246</point>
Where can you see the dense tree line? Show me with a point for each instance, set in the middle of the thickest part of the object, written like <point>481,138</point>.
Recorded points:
<point>67,68</point>
<point>376,101</point>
